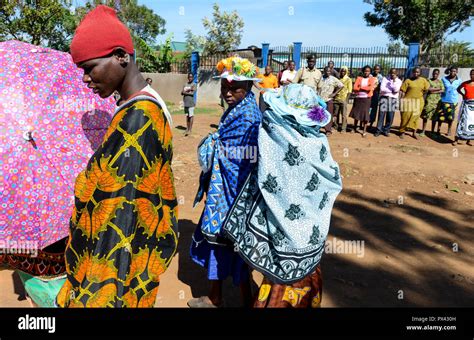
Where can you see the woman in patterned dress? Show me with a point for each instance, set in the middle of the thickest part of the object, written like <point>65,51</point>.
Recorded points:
<point>230,161</point>
<point>432,101</point>
<point>123,229</point>
<point>280,219</point>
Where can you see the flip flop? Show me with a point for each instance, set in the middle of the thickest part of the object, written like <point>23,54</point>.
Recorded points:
<point>203,302</point>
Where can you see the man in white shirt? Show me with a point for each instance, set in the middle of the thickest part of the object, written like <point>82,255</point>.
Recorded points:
<point>388,104</point>
<point>289,74</point>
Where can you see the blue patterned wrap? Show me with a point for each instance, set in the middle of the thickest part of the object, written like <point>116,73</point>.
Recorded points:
<point>234,152</point>
<point>280,220</point>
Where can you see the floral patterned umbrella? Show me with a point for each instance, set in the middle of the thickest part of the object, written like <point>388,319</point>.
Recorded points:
<point>50,123</point>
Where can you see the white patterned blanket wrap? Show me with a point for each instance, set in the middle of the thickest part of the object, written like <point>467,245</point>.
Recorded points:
<point>465,129</point>
<point>280,220</point>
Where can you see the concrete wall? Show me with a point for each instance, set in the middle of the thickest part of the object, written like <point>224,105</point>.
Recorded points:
<point>463,73</point>
<point>168,85</point>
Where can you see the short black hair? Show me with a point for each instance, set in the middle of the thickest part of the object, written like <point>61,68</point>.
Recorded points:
<point>311,56</point>
<point>367,66</point>
<point>436,70</point>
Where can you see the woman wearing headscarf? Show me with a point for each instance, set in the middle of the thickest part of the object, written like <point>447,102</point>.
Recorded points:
<point>340,101</point>
<point>364,88</point>
<point>279,222</point>
<point>412,102</point>
<point>226,158</point>
<point>124,222</point>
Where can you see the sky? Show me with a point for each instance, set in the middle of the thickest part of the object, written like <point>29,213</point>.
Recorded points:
<point>282,22</point>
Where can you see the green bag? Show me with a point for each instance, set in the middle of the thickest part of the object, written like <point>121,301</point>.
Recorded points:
<point>41,289</point>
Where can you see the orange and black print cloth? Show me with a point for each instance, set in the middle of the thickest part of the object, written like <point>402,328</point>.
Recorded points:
<point>306,293</point>
<point>123,230</point>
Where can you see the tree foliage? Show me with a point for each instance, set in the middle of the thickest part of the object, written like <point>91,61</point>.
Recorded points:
<point>224,31</point>
<point>452,52</point>
<point>193,42</point>
<point>49,23</point>
<point>140,20</point>
<point>425,21</point>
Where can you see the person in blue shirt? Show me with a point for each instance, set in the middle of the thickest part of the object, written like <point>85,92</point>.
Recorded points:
<point>449,99</point>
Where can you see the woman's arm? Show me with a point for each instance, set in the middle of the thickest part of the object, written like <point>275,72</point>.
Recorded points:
<point>461,87</point>
<point>357,83</point>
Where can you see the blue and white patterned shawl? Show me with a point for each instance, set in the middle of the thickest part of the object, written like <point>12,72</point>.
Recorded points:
<point>233,151</point>
<point>280,220</point>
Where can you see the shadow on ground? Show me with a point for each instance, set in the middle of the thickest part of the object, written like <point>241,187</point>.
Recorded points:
<point>194,275</point>
<point>350,283</point>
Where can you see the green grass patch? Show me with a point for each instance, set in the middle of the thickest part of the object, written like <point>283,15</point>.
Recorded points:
<point>197,111</point>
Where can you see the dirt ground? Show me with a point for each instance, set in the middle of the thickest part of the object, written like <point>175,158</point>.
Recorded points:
<point>405,199</point>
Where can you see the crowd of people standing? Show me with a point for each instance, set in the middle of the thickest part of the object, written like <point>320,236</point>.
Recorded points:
<point>377,97</point>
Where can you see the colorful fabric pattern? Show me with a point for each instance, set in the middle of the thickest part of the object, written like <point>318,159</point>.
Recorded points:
<point>280,220</point>
<point>306,293</point>
<point>465,129</point>
<point>41,91</point>
<point>44,264</point>
<point>432,100</point>
<point>234,143</point>
<point>124,222</point>
<point>445,112</point>
<point>238,130</point>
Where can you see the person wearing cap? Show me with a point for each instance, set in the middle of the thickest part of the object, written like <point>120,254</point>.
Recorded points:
<point>280,219</point>
<point>123,230</point>
<point>226,158</point>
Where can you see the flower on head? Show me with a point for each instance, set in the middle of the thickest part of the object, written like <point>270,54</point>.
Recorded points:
<point>246,65</point>
<point>220,66</point>
<point>227,63</point>
<point>317,114</point>
<point>237,66</point>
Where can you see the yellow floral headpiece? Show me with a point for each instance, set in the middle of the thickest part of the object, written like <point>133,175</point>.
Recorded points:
<point>238,69</point>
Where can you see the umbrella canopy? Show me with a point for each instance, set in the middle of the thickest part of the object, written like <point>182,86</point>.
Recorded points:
<point>50,124</point>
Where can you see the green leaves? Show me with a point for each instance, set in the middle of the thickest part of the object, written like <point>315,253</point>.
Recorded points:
<point>423,21</point>
<point>48,23</point>
<point>224,31</point>
<point>51,23</point>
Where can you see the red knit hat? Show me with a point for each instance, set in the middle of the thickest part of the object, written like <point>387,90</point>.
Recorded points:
<point>98,34</point>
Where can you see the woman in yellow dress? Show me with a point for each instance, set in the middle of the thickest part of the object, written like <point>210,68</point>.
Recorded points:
<point>412,102</point>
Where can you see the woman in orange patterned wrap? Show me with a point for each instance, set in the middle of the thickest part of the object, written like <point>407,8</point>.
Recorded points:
<point>124,222</point>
